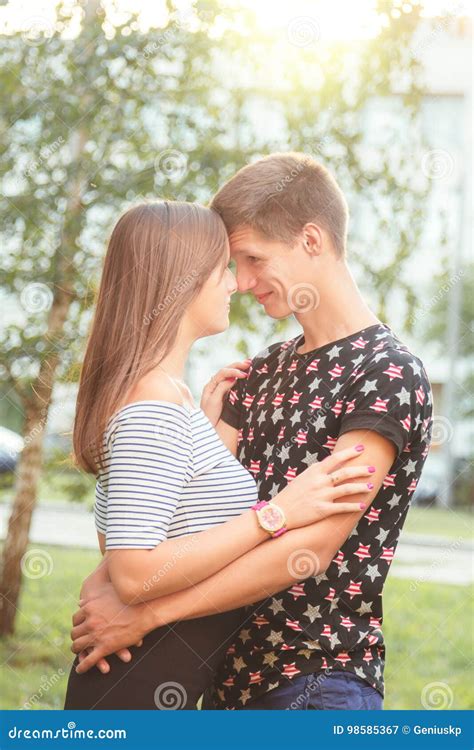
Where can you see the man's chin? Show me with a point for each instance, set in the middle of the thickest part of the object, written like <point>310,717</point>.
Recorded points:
<point>278,311</point>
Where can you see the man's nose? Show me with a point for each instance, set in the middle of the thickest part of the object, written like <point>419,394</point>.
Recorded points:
<point>245,282</point>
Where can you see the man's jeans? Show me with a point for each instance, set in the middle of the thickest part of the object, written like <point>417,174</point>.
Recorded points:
<point>331,691</point>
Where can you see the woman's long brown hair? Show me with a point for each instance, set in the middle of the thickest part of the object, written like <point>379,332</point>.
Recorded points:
<point>158,257</point>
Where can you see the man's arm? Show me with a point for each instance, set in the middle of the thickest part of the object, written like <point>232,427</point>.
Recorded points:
<point>268,569</point>
<point>254,576</point>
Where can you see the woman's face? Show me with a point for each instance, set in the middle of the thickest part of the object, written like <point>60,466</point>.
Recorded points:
<point>209,312</point>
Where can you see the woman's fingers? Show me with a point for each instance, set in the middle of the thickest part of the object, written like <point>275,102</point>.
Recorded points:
<point>334,508</point>
<point>234,371</point>
<point>242,365</point>
<point>352,488</point>
<point>350,472</point>
<point>340,457</point>
<point>229,372</point>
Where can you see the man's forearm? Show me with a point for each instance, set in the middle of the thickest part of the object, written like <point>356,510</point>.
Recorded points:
<point>255,576</point>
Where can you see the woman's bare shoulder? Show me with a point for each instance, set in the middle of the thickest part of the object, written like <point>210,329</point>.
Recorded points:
<point>156,386</point>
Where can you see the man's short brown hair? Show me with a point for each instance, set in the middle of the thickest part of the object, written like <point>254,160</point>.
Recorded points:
<point>279,194</point>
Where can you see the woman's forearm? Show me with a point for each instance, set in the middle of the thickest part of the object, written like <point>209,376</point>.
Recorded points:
<point>177,564</point>
<point>257,575</point>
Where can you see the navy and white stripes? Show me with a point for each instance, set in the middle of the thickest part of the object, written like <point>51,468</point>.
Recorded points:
<point>167,474</point>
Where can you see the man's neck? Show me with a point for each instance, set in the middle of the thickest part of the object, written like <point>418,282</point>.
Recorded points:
<point>341,312</point>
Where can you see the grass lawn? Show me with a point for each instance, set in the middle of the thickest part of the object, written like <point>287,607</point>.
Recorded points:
<point>426,632</point>
<point>70,487</point>
<point>56,489</point>
<point>455,524</point>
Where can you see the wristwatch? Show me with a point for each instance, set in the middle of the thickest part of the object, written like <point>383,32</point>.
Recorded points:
<point>270,517</point>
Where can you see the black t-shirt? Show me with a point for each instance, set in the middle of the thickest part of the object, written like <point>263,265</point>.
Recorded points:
<point>289,412</point>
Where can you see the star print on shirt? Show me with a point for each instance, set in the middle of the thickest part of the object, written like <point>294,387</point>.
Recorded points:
<point>368,381</point>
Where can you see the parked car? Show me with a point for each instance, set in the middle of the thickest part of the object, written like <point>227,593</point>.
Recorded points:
<point>430,485</point>
<point>11,445</point>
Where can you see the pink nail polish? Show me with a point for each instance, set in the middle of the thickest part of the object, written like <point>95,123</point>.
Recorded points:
<point>362,506</point>
<point>370,485</point>
<point>359,448</point>
<point>371,469</point>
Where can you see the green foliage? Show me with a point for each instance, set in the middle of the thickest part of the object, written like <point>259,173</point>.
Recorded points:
<point>435,328</point>
<point>95,120</point>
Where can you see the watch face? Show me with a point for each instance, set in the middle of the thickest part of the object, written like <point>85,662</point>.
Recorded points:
<point>271,518</point>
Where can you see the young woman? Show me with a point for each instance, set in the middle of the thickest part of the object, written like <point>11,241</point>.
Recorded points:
<point>173,505</point>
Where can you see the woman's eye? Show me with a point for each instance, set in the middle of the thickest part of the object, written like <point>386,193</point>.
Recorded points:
<point>252,258</point>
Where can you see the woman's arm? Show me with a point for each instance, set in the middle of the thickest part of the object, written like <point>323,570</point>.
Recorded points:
<point>177,564</point>
<point>262,572</point>
<point>106,623</point>
<point>228,435</point>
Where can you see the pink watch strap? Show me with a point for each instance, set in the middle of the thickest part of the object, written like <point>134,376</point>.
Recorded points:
<point>260,504</point>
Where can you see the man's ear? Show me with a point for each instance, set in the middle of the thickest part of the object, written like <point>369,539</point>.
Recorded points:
<point>312,239</point>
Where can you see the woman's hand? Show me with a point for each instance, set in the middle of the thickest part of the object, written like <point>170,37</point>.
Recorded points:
<point>212,399</point>
<point>311,496</point>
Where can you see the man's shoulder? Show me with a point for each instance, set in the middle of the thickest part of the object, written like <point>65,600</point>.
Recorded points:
<point>392,357</point>
<point>273,350</point>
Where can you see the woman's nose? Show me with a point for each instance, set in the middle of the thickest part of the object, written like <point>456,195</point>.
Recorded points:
<point>232,283</point>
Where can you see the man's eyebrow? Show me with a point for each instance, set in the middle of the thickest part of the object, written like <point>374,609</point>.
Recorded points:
<point>245,251</point>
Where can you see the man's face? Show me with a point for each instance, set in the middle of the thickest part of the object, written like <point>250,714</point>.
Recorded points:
<point>269,269</point>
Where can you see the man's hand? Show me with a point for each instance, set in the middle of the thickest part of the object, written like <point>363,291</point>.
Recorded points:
<point>95,580</point>
<point>104,625</point>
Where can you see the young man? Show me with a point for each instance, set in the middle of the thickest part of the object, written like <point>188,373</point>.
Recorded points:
<point>315,638</point>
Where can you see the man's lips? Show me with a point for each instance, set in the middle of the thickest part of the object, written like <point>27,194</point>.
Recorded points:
<point>262,297</point>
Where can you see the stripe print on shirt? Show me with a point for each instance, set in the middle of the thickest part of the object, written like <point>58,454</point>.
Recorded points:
<point>166,474</point>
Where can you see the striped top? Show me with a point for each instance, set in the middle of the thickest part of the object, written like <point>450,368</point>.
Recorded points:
<point>166,474</point>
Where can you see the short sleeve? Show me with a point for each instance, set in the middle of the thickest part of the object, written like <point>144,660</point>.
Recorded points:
<point>150,462</point>
<point>390,396</point>
<point>232,410</point>
<point>100,507</point>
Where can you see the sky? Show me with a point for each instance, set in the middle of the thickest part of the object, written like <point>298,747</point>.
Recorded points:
<point>303,20</point>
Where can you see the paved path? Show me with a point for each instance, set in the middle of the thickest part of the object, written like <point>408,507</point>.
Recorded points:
<point>420,558</point>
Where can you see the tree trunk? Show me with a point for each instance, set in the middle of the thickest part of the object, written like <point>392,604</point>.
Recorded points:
<point>28,470</point>
<point>38,399</point>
